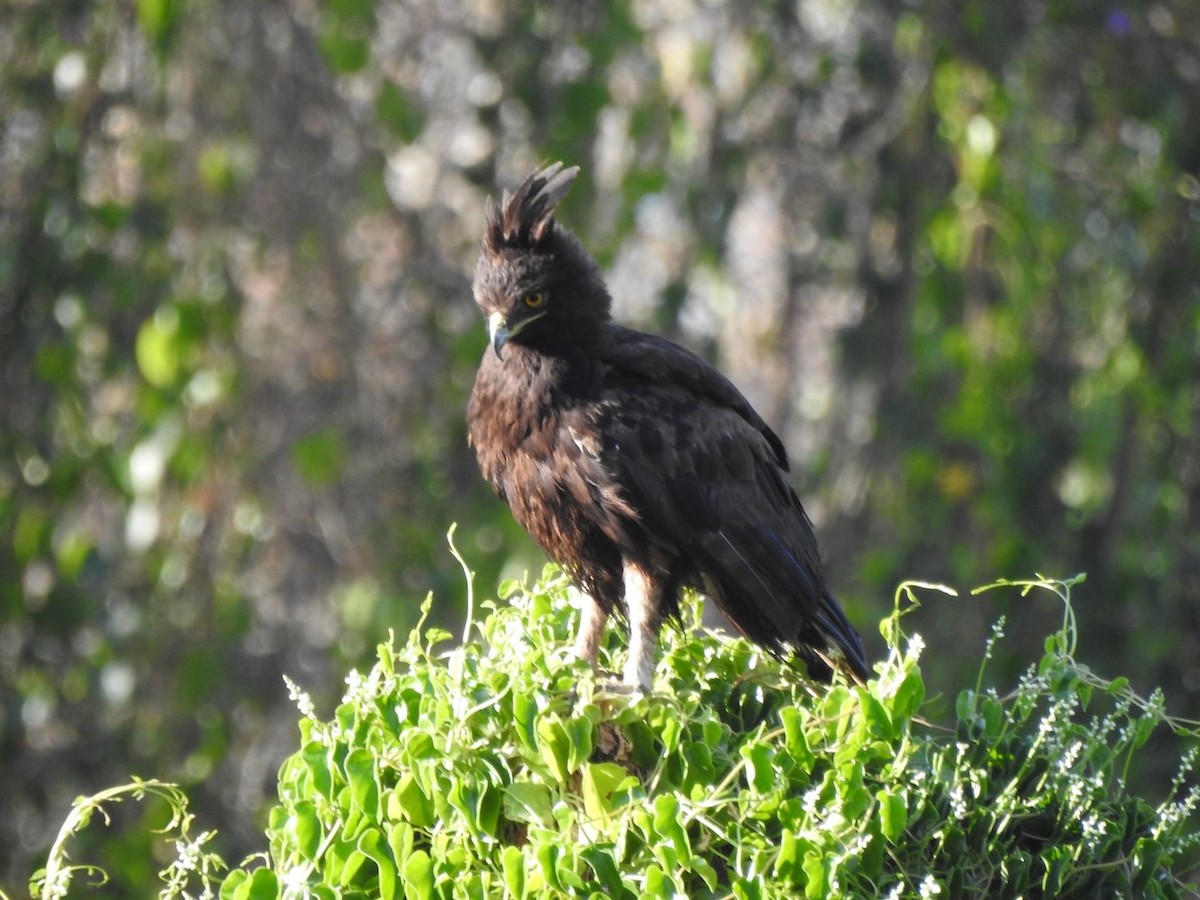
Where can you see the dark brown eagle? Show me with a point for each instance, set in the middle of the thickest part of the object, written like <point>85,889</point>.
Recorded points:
<point>631,461</point>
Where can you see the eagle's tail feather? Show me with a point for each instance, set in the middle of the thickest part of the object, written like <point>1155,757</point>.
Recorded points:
<point>776,600</point>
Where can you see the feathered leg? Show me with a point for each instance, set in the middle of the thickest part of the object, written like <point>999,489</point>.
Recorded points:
<point>642,600</point>
<point>592,619</point>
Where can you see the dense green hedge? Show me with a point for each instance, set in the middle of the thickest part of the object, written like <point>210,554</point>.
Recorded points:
<point>503,768</point>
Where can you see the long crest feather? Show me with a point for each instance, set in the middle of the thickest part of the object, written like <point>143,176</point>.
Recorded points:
<point>524,218</point>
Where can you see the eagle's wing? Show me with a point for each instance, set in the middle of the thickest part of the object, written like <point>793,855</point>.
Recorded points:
<point>705,476</point>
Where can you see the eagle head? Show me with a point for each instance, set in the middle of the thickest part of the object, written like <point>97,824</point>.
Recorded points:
<point>534,282</point>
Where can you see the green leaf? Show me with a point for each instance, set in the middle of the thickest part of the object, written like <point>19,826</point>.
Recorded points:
<point>700,768</point>
<point>893,812</point>
<point>316,759</point>
<point>419,744</point>
<point>410,802</point>
<point>1143,727</point>
<point>672,729</point>
<point>372,845</point>
<point>1148,856</point>
<point>605,871</point>
<point>362,776</point>
<point>306,829</point>
<point>554,744</point>
<point>747,889</point>
<point>479,806</point>
<point>788,863</point>
<point>234,887</point>
<point>965,707</point>
<point>760,770</point>
<point>400,838</point>
<point>856,799</point>
<point>993,717</point>
<point>795,740</point>
<point>512,862</point>
<point>547,856</point>
<point>352,863</point>
<point>909,697</point>
<point>816,873</point>
<point>875,717</point>
<point>671,831</point>
<point>1057,863</point>
<point>706,872</point>
<point>581,741</point>
<point>417,874</point>
<point>525,713</point>
<point>657,884</point>
<point>261,884</point>
<point>1117,686</point>
<point>525,801</point>
<point>158,349</point>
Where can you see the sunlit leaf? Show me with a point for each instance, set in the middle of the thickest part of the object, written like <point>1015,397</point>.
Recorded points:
<point>158,351</point>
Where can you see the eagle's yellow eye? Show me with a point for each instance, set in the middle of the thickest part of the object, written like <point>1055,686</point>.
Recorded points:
<point>534,301</point>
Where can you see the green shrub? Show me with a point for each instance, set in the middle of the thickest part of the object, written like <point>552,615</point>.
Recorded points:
<point>503,768</point>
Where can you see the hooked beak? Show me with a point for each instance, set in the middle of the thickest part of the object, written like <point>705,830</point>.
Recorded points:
<point>501,332</point>
<point>498,332</point>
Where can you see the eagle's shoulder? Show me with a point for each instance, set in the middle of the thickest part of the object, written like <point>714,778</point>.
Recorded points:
<point>663,365</point>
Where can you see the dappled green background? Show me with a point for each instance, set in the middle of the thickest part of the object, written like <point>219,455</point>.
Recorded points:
<point>951,250</point>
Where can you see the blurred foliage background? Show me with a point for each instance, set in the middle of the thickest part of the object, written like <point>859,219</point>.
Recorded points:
<point>951,251</point>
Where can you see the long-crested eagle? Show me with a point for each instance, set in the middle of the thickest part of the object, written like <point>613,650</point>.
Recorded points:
<point>630,460</point>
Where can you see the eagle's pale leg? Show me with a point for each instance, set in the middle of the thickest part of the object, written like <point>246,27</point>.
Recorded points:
<point>642,601</point>
<point>592,619</point>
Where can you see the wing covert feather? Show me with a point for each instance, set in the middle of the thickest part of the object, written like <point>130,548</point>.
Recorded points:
<point>705,477</point>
